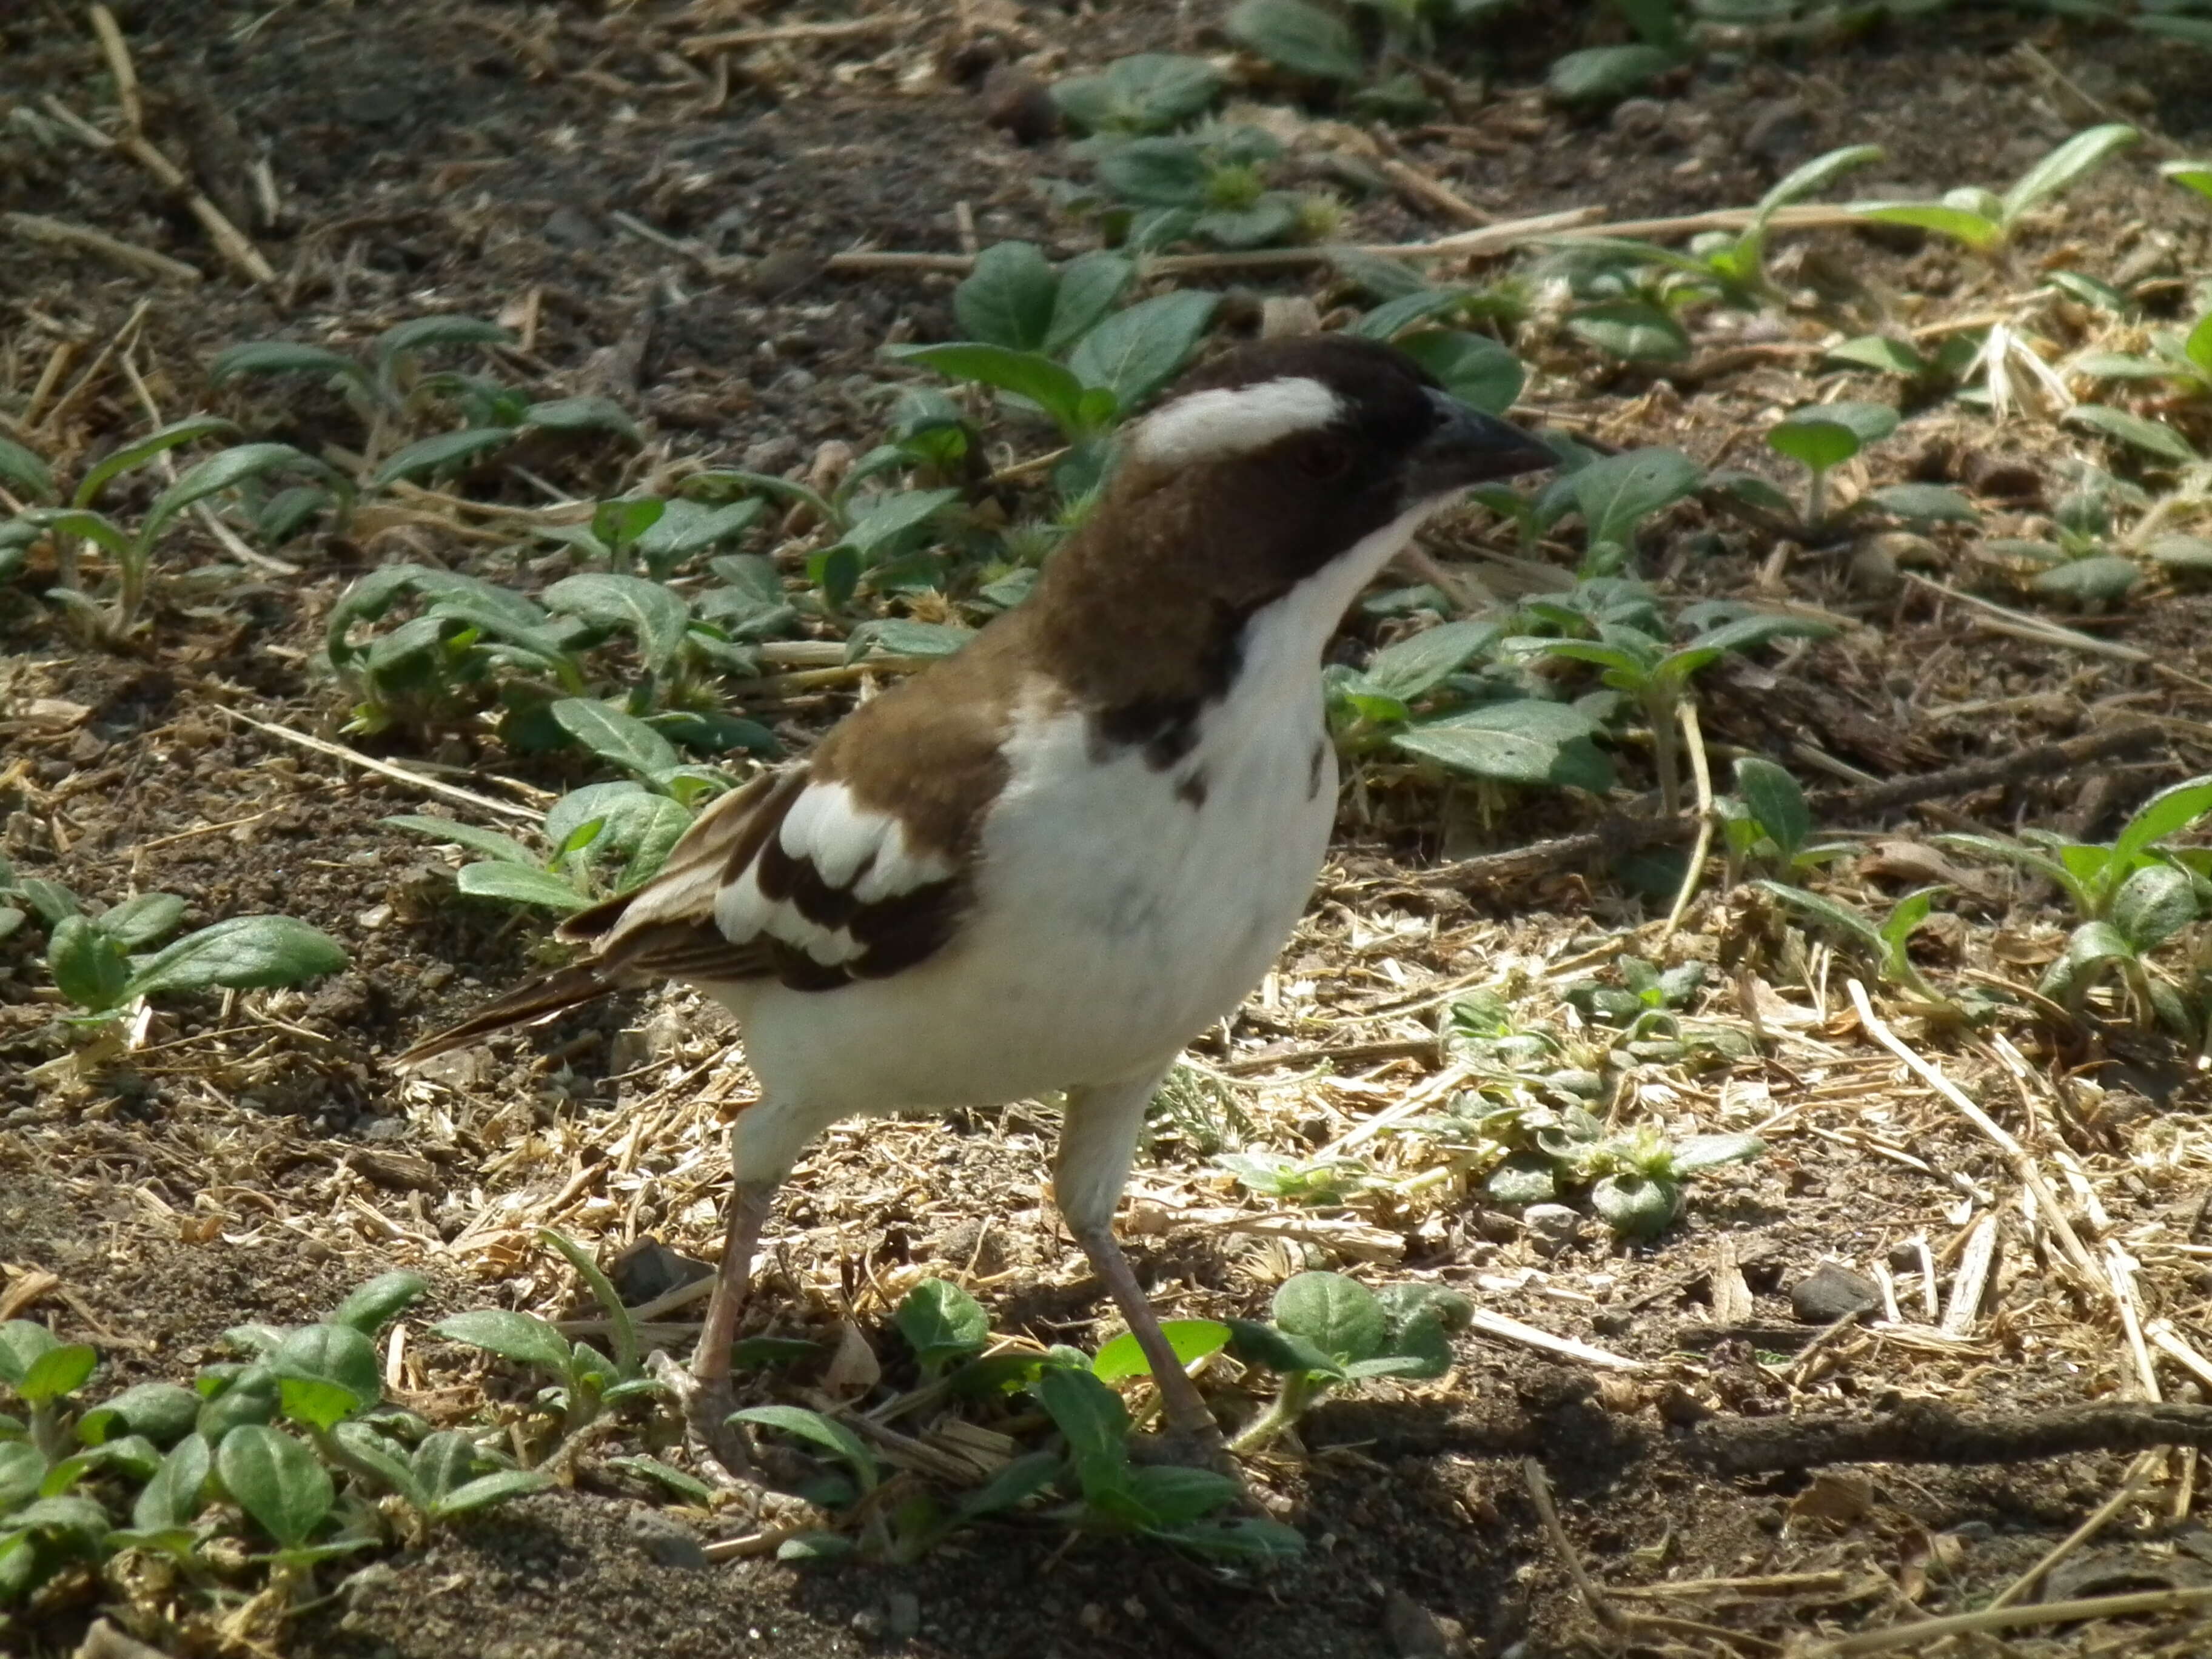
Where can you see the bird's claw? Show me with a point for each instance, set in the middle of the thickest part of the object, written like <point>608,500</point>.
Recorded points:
<point>717,1444</point>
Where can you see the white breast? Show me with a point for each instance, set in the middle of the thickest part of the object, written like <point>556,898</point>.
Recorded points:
<point>1115,918</point>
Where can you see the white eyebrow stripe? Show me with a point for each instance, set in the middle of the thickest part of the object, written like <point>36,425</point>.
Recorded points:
<point>1204,426</point>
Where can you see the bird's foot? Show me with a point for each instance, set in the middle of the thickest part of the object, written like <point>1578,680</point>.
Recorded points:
<point>717,1444</point>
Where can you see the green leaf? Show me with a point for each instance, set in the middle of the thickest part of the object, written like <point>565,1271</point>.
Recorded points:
<point>277,1480</point>
<point>1299,37</point>
<point>942,1322</point>
<point>1087,289</point>
<point>88,967</point>
<point>162,1411</point>
<point>901,636</point>
<point>283,357</point>
<point>2097,580</point>
<point>1878,352</point>
<point>521,1337</point>
<point>2094,943</point>
<point>1816,174</point>
<point>487,1490</point>
<point>443,449</point>
<point>338,1358</point>
<point>1842,918</point>
<point>2154,904</point>
<point>1149,92</point>
<point>884,520</point>
<point>225,470</point>
<point>604,1292</point>
<point>1174,1495</point>
<point>618,739</point>
<point>584,414</point>
<point>1922,502</point>
<point>1825,435</point>
<point>1156,173</point>
<point>2168,812</point>
<point>1007,299</point>
<point>1024,1477</point>
<point>1028,374</point>
<point>1473,367</point>
<point>1523,1178</point>
<point>1135,352</point>
<point>517,883</point>
<point>1089,1415</point>
<point>1527,741</point>
<point>143,450</point>
<point>1697,1152</point>
<point>1424,305</point>
<point>80,1518</point>
<point>21,1470</point>
<point>421,333</point>
<point>243,953</point>
<point>2190,175</point>
<point>60,1370</point>
<point>1775,801</point>
<point>1339,1315</point>
<point>1121,1358</point>
<point>657,616</point>
<point>1422,661</point>
<point>1616,493</point>
<point>824,1431</point>
<point>137,922</point>
<point>2065,164</point>
<point>2155,437</point>
<point>1635,330</point>
<point>687,526</point>
<point>1636,1206</point>
<point>25,472</point>
<point>490,842</point>
<point>1602,73</point>
<point>1976,230</point>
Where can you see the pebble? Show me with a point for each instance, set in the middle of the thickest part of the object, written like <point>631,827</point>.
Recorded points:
<point>669,1543</point>
<point>1832,1292</point>
<point>648,1269</point>
<point>1551,1227</point>
<point>1411,1630</point>
<point>1016,102</point>
<point>901,1615</point>
<point>1781,134</point>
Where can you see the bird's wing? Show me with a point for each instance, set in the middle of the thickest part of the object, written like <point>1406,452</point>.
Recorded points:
<point>790,877</point>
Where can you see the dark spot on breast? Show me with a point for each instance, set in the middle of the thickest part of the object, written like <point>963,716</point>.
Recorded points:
<point>1164,726</point>
<point>1190,789</point>
<point>1313,768</point>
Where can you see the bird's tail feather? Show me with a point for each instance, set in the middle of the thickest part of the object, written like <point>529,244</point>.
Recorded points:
<point>550,993</point>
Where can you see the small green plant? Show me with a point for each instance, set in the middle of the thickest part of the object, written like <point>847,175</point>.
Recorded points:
<point>1414,697</point>
<point>1657,676</point>
<point>1536,1152</point>
<point>2184,361</point>
<point>1824,436</point>
<point>103,963</point>
<point>1151,92</point>
<point>1209,185</point>
<point>1473,367</point>
<point>271,1465</point>
<point>2080,564</point>
<point>237,471</point>
<point>391,391</point>
<point>1980,219</point>
<point>1768,824</point>
<point>1329,1331</point>
<point>1725,265</point>
<point>2130,898</point>
<point>584,1383</point>
<point>1887,941</point>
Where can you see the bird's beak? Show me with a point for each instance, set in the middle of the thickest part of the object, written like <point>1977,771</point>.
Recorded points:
<point>1467,446</point>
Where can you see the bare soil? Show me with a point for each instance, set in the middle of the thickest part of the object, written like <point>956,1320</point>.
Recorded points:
<point>256,1156</point>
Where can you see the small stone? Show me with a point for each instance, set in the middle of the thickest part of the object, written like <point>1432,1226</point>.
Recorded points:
<point>1904,1257</point>
<point>1017,103</point>
<point>2006,476</point>
<point>783,269</point>
<point>1551,1228</point>
<point>1282,315</point>
<point>868,1623</point>
<point>1832,1292</point>
<point>386,1129</point>
<point>1411,1630</point>
<point>1612,1322</point>
<point>374,106</point>
<point>1639,118</point>
<point>669,1543</point>
<point>1872,570</point>
<point>649,1268</point>
<point>569,227</point>
<point>1781,134</point>
<point>770,455</point>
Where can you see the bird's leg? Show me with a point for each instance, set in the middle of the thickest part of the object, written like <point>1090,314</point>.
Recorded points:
<point>1097,1142</point>
<point>705,1392</point>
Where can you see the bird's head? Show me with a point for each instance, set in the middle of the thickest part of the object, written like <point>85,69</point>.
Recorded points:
<point>1288,453</point>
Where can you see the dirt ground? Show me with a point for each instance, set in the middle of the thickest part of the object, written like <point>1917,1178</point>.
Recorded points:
<point>257,1155</point>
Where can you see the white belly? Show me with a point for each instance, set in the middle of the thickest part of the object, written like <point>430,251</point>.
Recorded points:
<point>1115,921</point>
